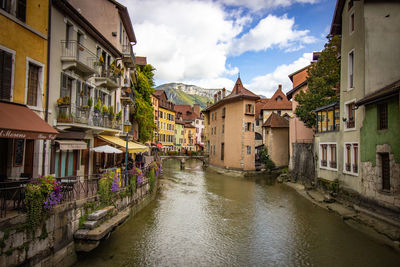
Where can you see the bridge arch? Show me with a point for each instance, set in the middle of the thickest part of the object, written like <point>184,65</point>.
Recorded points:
<point>183,159</point>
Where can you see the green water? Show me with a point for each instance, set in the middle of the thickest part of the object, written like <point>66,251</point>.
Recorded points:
<point>202,218</point>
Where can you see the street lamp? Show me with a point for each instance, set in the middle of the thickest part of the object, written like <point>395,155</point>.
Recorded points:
<point>127,128</point>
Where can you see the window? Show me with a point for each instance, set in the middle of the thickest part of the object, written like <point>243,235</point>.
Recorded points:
<point>223,128</point>
<point>351,23</point>
<point>249,109</point>
<point>248,126</point>
<point>328,119</point>
<point>223,112</point>
<point>351,70</point>
<point>332,162</point>
<point>258,136</point>
<point>248,150</point>
<point>324,155</point>
<point>222,151</point>
<point>328,154</point>
<point>66,86</point>
<point>350,115</point>
<point>385,171</point>
<point>6,64</point>
<point>258,122</point>
<point>214,150</point>
<point>16,8</point>
<point>382,116</point>
<point>351,158</point>
<point>33,85</point>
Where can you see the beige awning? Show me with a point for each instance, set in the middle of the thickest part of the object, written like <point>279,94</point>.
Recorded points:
<point>71,144</point>
<point>132,147</point>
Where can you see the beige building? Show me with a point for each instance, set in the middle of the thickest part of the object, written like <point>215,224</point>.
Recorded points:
<point>277,138</point>
<point>229,129</point>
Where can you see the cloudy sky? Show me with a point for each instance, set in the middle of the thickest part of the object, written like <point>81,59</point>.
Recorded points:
<point>208,42</point>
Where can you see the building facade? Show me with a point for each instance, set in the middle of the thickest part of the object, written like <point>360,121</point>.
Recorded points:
<point>229,128</point>
<point>166,120</point>
<point>23,88</point>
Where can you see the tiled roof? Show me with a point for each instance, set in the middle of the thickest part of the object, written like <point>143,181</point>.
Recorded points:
<point>187,112</point>
<point>238,92</point>
<point>276,121</point>
<point>383,93</point>
<point>274,104</point>
<point>158,92</point>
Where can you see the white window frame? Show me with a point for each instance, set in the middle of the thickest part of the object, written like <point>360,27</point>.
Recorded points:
<point>346,115</point>
<point>328,156</point>
<point>39,106</point>
<point>350,65</point>
<point>12,52</point>
<point>351,158</point>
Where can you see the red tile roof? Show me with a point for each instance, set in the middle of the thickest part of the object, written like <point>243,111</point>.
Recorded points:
<point>187,112</point>
<point>238,92</point>
<point>259,104</point>
<point>276,121</point>
<point>275,104</point>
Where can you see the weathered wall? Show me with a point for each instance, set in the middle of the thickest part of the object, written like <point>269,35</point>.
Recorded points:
<point>279,146</point>
<point>303,162</point>
<point>53,244</point>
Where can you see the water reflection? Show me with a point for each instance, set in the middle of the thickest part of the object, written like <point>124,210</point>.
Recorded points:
<point>207,219</point>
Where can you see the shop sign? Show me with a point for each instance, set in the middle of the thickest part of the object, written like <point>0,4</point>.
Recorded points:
<point>13,134</point>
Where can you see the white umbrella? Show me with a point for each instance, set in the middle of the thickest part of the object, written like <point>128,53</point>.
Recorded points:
<point>106,149</point>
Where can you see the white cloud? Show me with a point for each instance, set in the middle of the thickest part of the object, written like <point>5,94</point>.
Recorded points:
<point>265,4</point>
<point>267,84</point>
<point>272,31</point>
<point>190,40</point>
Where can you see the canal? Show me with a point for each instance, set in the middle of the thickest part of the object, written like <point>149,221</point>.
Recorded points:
<point>202,218</point>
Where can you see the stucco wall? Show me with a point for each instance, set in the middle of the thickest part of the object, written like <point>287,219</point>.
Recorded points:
<point>278,149</point>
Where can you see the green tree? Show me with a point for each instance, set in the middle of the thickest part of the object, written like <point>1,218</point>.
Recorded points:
<point>323,78</point>
<point>144,114</point>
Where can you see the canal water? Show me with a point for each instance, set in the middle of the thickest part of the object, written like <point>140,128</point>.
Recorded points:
<point>202,218</point>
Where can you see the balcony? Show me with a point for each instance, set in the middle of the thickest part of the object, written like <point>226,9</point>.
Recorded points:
<point>127,97</point>
<point>107,79</point>
<point>127,56</point>
<point>77,57</point>
<point>70,115</point>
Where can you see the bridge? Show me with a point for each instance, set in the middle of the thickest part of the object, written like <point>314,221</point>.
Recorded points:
<point>184,158</point>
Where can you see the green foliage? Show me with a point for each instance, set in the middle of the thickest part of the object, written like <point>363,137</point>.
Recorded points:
<point>98,105</point>
<point>90,102</point>
<point>152,179</point>
<point>264,157</point>
<point>105,190</point>
<point>324,76</point>
<point>144,114</point>
<point>34,200</point>
<point>284,170</point>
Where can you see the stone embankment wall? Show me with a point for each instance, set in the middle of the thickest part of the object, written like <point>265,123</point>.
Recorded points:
<point>302,163</point>
<point>53,243</point>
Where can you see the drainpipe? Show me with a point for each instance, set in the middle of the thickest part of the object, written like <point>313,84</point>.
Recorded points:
<point>46,114</point>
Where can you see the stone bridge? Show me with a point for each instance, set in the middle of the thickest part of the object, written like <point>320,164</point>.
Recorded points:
<point>183,159</point>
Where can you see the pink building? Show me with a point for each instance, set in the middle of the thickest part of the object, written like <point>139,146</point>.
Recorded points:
<point>298,132</point>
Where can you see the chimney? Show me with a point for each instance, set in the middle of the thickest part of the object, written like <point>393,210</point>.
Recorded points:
<point>215,98</point>
<point>280,87</point>
<point>223,92</point>
<point>219,95</point>
<point>196,109</point>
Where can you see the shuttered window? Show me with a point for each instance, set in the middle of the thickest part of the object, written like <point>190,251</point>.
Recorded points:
<point>5,75</point>
<point>33,85</point>
<point>66,85</point>
<point>16,8</point>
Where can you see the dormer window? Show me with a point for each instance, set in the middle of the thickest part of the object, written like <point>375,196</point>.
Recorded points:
<point>279,99</point>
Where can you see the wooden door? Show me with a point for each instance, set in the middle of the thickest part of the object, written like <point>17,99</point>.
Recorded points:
<point>29,154</point>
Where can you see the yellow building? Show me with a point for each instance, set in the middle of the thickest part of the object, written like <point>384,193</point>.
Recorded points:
<point>23,59</point>
<point>166,120</point>
<point>189,137</point>
<point>154,103</point>
<point>23,38</point>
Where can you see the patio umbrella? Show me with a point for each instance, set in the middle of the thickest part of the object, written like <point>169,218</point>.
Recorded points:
<point>106,149</point>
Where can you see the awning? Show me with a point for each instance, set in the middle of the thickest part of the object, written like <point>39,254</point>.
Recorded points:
<point>71,144</point>
<point>132,147</point>
<point>19,122</point>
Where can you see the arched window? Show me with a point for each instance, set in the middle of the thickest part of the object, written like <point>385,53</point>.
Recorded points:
<point>258,136</point>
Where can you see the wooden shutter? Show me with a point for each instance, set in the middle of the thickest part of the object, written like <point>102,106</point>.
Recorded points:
<point>5,75</point>
<point>63,89</point>
<point>33,84</point>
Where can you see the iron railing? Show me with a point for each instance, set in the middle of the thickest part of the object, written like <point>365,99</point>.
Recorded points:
<point>76,51</point>
<point>71,113</point>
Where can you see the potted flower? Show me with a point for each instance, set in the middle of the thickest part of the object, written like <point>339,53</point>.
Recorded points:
<point>97,107</point>
<point>62,101</point>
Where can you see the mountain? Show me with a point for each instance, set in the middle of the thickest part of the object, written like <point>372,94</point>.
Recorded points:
<point>184,94</point>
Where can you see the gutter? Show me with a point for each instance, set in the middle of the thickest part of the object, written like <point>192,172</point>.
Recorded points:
<point>46,114</point>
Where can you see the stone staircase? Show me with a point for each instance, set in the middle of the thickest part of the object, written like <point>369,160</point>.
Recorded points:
<point>99,224</point>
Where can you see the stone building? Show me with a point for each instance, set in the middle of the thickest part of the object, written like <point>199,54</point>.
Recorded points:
<point>229,129</point>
